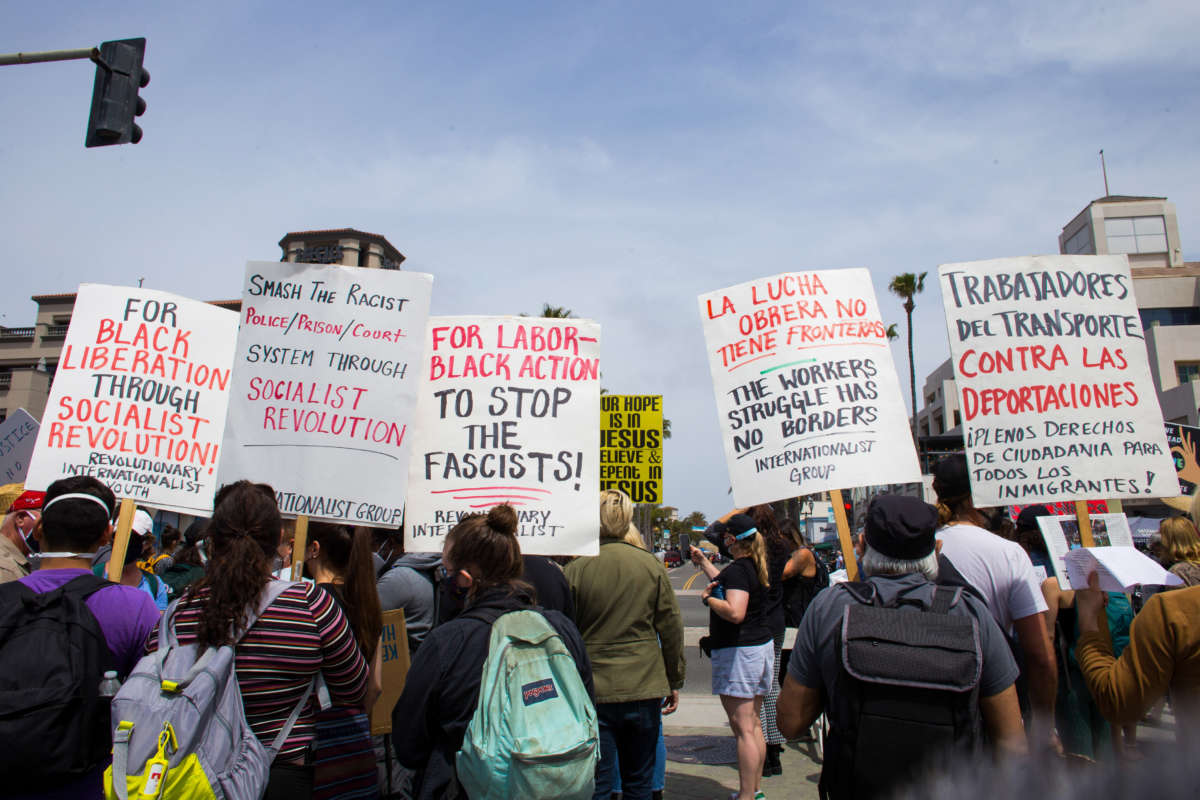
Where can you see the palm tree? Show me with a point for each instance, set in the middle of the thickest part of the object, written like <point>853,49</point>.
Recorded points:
<point>555,312</point>
<point>892,333</point>
<point>906,285</point>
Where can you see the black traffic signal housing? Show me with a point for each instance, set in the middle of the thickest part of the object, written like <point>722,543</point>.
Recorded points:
<point>115,101</point>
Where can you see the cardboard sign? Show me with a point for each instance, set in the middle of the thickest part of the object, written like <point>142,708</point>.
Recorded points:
<point>18,435</point>
<point>631,438</point>
<point>1056,395</point>
<point>1061,535</point>
<point>395,660</point>
<point>507,414</point>
<point>139,397</point>
<point>324,388</point>
<point>807,394</point>
<point>1184,441</point>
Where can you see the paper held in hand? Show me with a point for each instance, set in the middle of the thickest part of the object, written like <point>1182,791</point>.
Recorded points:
<point>1119,569</point>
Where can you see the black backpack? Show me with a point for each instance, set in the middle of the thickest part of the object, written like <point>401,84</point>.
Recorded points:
<point>53,655</point>
<point>907,694</point>
<point>798,592</point>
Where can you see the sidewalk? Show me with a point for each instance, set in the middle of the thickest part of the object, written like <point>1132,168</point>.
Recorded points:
<point>701,765</point>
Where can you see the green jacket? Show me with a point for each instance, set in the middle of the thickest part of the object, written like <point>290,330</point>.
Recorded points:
<point>629,617</point>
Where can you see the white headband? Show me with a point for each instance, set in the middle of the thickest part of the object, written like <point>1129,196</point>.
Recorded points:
<point>79,496</point>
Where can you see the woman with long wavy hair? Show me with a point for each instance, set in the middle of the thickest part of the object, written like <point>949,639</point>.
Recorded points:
<point>739,638</point>
<point>301,635</point>
<point>339,560</point>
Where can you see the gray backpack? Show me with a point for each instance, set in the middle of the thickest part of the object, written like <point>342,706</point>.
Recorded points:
<point>179,729</point>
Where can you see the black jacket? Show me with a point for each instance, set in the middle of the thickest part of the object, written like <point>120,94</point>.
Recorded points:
<point>442,690</point>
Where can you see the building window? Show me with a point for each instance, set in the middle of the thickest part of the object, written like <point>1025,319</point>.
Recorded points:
<point>1187,371</point>
<point>1136,234</point>
<point>1080,242</point>
<point>937,424</point>
<point>957,419</point>
<point>1180,315</point>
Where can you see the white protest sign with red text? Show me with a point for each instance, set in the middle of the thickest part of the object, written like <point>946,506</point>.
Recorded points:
<point>507,414</point>
<point>807,394</point>
<point>1055,389</point>
<point>324,387</point>
<point>139,397</point>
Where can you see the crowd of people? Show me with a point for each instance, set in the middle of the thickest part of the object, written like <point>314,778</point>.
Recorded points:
<point>949,648</point>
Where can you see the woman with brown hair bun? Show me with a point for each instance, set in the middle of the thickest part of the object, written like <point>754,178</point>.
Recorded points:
<point>340,563</point>
<point>481,562</point>
<point>299,636</point>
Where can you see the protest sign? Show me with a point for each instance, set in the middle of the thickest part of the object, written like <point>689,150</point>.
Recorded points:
<point>631,434</point>
<point>507,414</point>
<point>395,658</point>
<point>1061,535</point>
<point>1055,390</point>
<point>807,393</point>
<point>18,434</point>
<point>1184,441</point>
<point>139,397</point>
<point>324,387</point>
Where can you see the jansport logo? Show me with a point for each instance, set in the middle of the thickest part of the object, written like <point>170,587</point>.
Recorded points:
<point>538,691</point>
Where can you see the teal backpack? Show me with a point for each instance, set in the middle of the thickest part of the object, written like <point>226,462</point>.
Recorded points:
<point>534,732</point>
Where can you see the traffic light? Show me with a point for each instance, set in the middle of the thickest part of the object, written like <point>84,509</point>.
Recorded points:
<point>849,506</point>
<point>115,101</point>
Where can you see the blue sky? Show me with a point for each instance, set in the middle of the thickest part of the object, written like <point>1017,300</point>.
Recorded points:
<point>616,158</point>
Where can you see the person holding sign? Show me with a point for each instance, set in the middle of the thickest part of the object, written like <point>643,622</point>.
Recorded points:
<point>743,655</point>
<point>481,561</point>
<point>302,633</point>
<point>75,522</point>
<point>1000,570</point>
<point>339,561</point>
<point>1163,655</point>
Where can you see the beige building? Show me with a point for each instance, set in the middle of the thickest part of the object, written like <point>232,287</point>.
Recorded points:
<point>1168,297</point>
<point>29,356</point>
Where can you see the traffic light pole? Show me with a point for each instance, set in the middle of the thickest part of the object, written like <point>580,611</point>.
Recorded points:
<point>9,59</point>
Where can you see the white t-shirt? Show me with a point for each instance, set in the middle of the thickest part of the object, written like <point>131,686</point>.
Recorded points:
<point>999,569</point>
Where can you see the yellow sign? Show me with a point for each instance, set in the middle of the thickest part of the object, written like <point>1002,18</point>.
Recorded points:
<point>393,653</point>
<point>631,445</point>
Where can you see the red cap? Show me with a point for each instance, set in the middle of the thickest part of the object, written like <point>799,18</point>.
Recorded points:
<point>28,501</point>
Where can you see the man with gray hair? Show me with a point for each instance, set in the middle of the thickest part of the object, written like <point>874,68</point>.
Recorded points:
<point>906,671</point>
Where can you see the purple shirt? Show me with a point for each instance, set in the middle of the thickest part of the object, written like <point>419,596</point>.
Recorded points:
<point>127,616</point>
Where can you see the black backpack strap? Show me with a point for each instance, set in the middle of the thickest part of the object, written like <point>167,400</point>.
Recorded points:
<point>863,592</point>
<point>84,586</point>
<point>944,598</point>
<point>488,614</point>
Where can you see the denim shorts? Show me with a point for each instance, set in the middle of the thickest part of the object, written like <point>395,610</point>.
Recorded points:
<point>743,671</point>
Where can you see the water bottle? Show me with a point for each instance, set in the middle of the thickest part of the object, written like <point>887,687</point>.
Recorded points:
<point>110,685</point>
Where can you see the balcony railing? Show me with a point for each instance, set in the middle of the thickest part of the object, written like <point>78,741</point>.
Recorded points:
<point>16,334</point>
<point>56,331</point>
<point>5,380</point>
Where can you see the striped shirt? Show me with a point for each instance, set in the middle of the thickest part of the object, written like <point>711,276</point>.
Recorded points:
<point>301,633</point>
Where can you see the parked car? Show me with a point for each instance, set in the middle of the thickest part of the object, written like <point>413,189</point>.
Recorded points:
<point>671,558</point>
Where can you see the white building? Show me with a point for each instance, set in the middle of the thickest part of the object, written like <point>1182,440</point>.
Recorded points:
<point>1167,290</point>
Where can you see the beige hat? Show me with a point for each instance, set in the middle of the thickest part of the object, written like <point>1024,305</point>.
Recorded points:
<point>9,493</point>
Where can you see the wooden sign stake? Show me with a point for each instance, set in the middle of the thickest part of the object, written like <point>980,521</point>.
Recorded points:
<point>1085,524</point>
<point>299,544</point>
<point>116,559</point>
<point>843,527</point>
